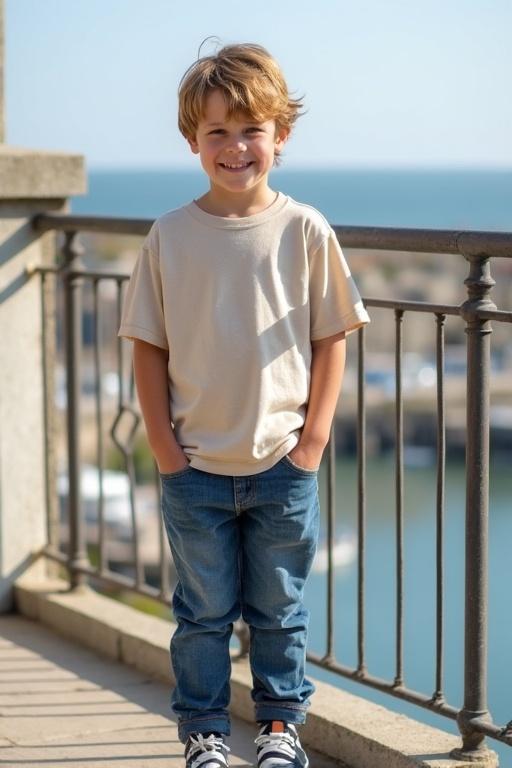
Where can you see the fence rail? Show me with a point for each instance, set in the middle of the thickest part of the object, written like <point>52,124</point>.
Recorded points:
<point>476,312</point>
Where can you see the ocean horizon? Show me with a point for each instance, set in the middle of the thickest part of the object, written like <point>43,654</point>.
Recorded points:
<point>436,198</point>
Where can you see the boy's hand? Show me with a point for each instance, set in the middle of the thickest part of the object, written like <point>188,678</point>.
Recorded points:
<point>151,378</point>
<point>307,455</point>
<point>172,461</point>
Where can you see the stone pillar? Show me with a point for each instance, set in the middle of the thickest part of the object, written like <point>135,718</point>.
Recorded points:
<point>31,182</point>
<point>2,113</point>
<point>2,128</point>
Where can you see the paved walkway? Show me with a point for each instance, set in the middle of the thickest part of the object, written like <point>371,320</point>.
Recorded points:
<point>63,706</point>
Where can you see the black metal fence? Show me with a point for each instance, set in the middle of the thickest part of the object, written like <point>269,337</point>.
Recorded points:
<point>476,312</point>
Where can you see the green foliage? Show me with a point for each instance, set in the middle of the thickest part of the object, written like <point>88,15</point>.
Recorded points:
<point>142,457</point>
<point>93,553</point>
<point>140,602</point>
<point>390,271</point>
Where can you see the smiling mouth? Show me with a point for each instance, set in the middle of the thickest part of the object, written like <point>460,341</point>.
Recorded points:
<point>235,166</point>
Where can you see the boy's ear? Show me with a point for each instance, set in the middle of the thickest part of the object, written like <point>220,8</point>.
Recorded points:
<point>281,137</point>
<point>193,146</point>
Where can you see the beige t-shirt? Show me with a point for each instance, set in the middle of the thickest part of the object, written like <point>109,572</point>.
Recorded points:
<point>237,303</point>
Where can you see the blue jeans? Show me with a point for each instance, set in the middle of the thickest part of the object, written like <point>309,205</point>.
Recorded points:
<point>242,546</point>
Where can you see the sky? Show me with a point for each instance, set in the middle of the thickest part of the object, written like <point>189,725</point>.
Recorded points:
<point>401,83</point>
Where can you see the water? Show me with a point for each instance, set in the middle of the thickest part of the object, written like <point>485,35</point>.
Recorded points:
<point>420,586</point>
<point>432,199</point>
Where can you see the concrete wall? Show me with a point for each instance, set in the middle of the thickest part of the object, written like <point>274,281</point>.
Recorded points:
<point>2,128</point>
<point>30,183</point>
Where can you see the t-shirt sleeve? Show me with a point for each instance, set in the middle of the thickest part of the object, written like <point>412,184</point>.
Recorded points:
<point>334,299</point>
<point>142,315</point>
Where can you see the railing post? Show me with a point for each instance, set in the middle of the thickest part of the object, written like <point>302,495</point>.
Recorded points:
<point>479,283</point>
<point>331,523</point>
<point>77,555</point>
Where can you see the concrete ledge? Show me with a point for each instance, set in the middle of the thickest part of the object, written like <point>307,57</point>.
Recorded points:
<point>340,725</point>
<point>28,173</point>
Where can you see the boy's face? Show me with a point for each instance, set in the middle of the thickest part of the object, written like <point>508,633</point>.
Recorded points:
<point>237,154</point>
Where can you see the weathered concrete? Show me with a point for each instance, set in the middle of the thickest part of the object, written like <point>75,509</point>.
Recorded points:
<point>63,705</point>
<point>22,491</point>
<point>345,727</point>
<point>22,457</point>
<point>31,182</point>
<point>31,174</point>
<point>2,90</point>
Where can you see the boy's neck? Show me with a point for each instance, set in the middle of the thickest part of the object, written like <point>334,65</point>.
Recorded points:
<point>238,205</point>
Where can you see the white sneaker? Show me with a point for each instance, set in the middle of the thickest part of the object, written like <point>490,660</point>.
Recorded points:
<point>203,751</point>
<point>278,746</point>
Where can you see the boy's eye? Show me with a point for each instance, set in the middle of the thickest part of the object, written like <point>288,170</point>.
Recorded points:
<point>251,129</point>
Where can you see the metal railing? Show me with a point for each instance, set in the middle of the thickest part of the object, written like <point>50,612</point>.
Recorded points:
<point>477,311</point>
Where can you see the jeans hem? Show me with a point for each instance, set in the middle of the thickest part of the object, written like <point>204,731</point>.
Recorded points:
<point>203,724</point>
<point>289,713</point>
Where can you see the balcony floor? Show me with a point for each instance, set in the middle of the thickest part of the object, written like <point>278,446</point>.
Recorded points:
<point>63,705</point>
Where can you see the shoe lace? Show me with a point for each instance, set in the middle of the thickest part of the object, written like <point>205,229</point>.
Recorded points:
<point>279,741</point>
<point>204,745</point>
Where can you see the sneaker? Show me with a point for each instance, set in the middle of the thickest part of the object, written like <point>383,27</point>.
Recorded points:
<point>206,751</point>
<point>278,746</point>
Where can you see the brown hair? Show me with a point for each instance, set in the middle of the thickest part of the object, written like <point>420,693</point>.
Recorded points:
<point>251,82</point>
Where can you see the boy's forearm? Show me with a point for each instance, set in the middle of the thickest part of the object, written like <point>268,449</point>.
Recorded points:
<point>327,369</point>
<point>151,378</point>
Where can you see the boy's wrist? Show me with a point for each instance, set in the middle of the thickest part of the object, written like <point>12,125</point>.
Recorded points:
<point>167,451</point>
<point>313,442</point>
<point>308,452</point>
<point>171,460</point>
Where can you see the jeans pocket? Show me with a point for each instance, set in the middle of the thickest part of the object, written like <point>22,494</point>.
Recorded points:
<point>297,468</point>
<point>170,475</point>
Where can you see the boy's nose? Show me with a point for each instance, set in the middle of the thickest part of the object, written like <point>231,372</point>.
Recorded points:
<point>237,146</point>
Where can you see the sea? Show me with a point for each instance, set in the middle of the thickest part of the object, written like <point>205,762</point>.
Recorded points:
<point>441,199</point>
<point>469,199</point>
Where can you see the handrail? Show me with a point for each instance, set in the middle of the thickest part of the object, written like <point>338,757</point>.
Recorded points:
<point>462,242</point>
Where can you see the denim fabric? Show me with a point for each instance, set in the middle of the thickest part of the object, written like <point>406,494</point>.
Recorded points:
<point>242,546</point>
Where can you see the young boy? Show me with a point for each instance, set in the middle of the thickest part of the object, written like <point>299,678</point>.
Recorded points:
<point>239,306</point>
